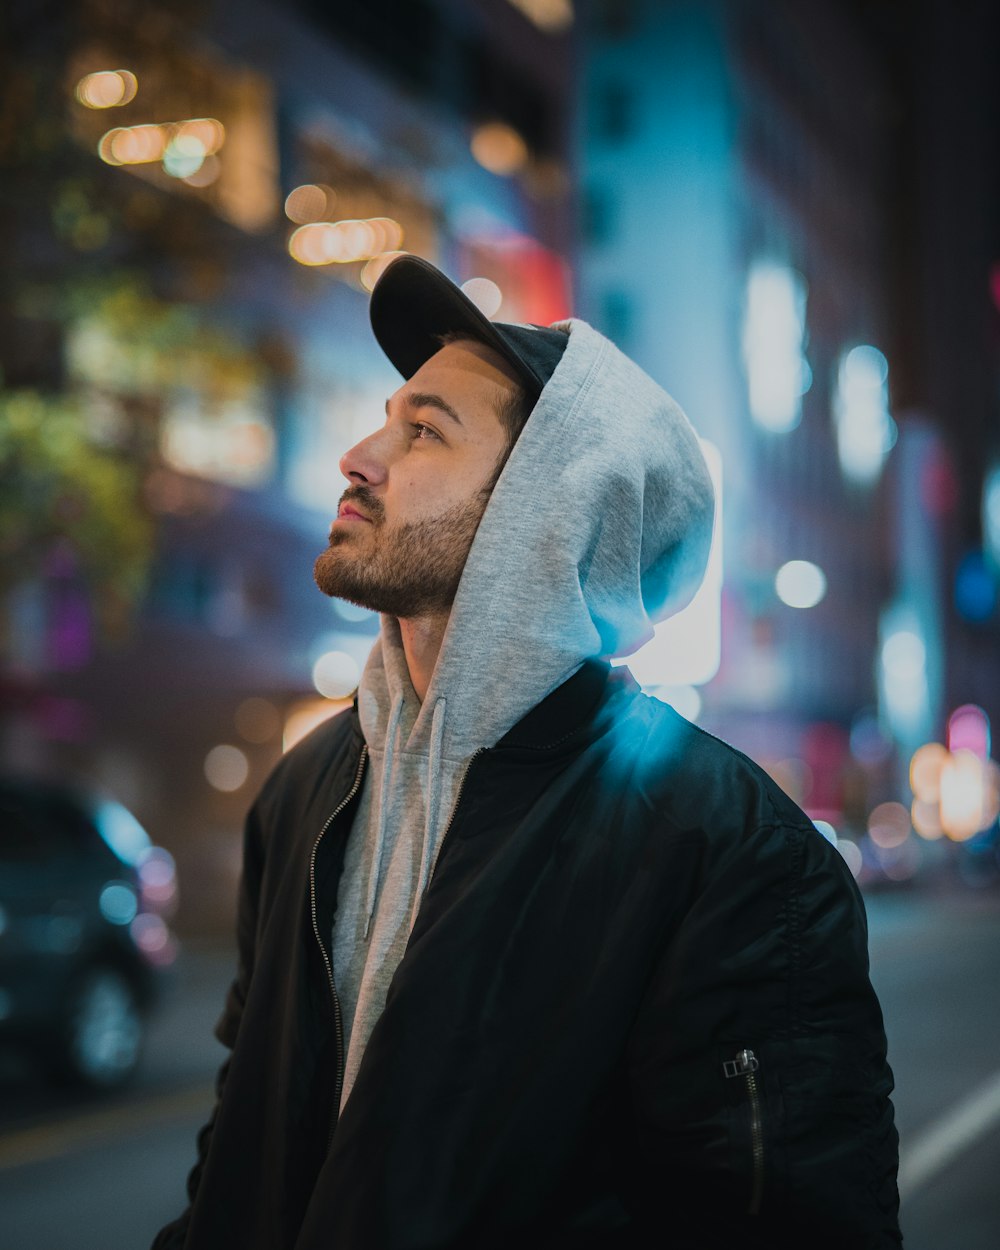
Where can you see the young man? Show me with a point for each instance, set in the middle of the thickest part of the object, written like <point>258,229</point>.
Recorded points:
<point>525,958</point>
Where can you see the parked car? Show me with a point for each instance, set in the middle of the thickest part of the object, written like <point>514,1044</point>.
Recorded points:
<point>85,900</point>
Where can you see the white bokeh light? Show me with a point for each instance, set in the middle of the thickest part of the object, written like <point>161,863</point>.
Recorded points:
<point>800,584</point>
<point>226,767</point>
<point>485,294</point>
<point>774,335</point>
<point>336,674</point>
<point>866,433</point>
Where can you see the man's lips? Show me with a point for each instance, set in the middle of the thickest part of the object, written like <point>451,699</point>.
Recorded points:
<point>348,512</point>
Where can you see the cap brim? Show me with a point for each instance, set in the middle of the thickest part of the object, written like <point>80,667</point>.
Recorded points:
<point>414,304</point>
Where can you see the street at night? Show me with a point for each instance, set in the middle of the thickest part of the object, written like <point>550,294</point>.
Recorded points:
<point>486,487</point>
<point>86,1177</point>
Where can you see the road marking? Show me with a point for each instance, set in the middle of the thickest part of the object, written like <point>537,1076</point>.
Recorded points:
<point>947,1137</point>
<point>48,1141</point>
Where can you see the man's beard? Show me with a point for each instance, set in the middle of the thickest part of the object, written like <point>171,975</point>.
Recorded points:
<point>408,570</point>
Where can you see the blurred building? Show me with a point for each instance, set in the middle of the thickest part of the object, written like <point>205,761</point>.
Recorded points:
<point>734,244</point>
<point>194,214</point>
<point>761,206</point>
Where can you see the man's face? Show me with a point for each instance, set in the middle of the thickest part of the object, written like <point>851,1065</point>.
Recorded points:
<point>419,487</point>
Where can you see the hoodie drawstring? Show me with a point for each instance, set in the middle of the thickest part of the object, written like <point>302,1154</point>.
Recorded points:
<point>383,806</point>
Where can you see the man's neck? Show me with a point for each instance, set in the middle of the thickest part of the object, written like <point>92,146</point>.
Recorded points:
<point>422,637</point>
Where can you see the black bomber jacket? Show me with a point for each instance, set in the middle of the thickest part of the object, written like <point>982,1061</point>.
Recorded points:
<point>634,1011</point>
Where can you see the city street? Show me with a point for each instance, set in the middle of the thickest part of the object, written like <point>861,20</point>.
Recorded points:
<point>91,1175</point>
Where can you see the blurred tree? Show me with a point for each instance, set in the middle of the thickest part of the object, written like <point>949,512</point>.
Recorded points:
<point>60,491</point>
<point>106,284</point>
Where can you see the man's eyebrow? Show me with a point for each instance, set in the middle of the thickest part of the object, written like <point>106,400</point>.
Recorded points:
<point>424,399</point>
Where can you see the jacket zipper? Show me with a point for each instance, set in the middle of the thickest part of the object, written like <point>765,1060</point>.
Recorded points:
<point>337,1017</point>
<point>746,1065</point>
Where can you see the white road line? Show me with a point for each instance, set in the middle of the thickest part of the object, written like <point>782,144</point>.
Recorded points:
<point>934,1148</point>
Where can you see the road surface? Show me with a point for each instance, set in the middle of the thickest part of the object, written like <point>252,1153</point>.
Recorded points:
<point>94,1174</point>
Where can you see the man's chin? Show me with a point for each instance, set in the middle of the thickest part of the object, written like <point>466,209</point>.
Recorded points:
<point>328,574</point>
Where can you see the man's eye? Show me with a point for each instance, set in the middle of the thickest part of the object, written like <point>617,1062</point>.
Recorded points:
<point>422,431</point>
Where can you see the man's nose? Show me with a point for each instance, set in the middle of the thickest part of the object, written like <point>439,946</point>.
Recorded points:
<point>367,462</point>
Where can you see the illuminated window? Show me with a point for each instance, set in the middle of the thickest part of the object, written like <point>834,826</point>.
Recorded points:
<point>774,336</point>
<point>866,433</point>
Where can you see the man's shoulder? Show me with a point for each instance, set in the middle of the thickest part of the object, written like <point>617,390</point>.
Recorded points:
<point>694,772</point>
<point>322,759</point>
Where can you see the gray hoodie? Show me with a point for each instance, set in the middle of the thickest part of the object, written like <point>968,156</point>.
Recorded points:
<point>598,528</point>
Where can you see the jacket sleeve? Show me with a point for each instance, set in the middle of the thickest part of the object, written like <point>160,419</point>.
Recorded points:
<point>758,1087</point>
<point>172,1236</point>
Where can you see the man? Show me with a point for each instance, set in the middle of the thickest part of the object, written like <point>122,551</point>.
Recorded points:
<point>525,958</point>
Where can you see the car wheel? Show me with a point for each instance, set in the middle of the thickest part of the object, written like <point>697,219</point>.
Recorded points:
<point>103,1030</point>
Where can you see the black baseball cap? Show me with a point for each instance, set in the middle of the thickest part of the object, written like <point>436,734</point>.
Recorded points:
<point>413,304</point>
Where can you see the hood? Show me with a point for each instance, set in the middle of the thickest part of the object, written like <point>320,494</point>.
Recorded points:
<point>598,528</point>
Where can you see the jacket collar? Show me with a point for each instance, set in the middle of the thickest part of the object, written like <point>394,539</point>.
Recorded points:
<point>560,714</point>
<point>570,706</point>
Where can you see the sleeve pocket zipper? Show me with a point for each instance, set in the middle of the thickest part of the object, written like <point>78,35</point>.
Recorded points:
<point>746,1065</point>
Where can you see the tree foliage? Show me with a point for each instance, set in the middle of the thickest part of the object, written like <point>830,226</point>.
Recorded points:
<point>58,489</point>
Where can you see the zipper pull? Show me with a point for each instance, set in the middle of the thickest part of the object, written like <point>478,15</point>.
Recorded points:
<point>745,1062</point>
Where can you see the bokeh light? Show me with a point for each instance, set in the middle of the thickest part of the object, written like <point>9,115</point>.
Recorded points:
<point>485,294</point>
<point>146,144</point>
<point>108,88</point>
<point>336,674</point>
<point>969,730</point>
<point>925,771</point>
<point>226,767</point>
<point>314,201</point>
<point>904,656</point>
<point>183,156</point>
<point>499,148</point>
<point>800,584</point>
<point>342,242</point>
<point>851,853</point>
<point>118,903</point>
<point>158,881</point>
<point>926,817</point>
<point>866,433</point>
<point>774,331</point>
<point>889,825</point>
<point>975,587</point>
<point>154,939</point>
<point>969,796</point>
